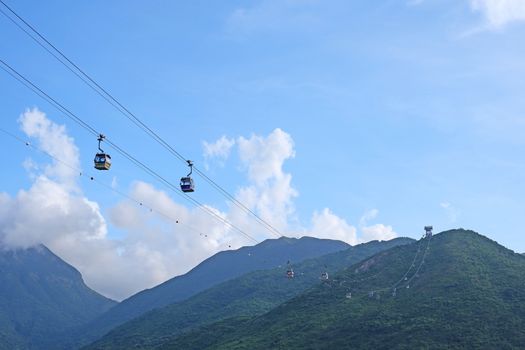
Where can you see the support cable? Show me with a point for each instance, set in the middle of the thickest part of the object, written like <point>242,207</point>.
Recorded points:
<point>105,185</point>
<point>90,82</point>
<point>38,91</point>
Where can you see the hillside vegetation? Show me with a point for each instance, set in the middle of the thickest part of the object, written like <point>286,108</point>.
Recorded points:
<point>249,295</point>
<point>468,294</point>
<point>41,295</point>
<point>220,267</point>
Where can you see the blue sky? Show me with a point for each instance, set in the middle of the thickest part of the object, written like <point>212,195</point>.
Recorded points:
<point>372,118</point>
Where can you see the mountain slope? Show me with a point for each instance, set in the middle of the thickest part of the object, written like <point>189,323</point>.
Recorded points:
<point>469,293</point>
<point>39,295</point>
<point>221,267</point>
<point>251,294</point>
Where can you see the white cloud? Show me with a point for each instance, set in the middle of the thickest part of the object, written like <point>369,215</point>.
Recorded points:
<point>367,216</point>
<point>328,225</point>
<point>264,156</point>
<point>53,139</point>
<point>168,240</point>
<point>379,232</point>
<point>51,208</point>
<point>451,211</point>
<point>219,149</point>
<point>54,212</point>
<point>271,193</point>
<point>274,15</point>
<point>499,13</point>
<point>153,246</point>
<point>376,231</point>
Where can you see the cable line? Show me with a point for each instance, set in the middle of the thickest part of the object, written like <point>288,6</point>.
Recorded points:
<point>416,274</point>
<point>27,83</point>
<point>90,82</point>
<point>94,179</point>
<point>412,265</point>
<point>404,278</point>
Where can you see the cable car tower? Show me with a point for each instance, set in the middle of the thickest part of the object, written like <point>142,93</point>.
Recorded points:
<point>428,231</point>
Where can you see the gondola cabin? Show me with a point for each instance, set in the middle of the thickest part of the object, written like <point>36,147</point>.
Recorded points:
<point>102,161</point>
<point>290,273</point>
<point>186,184</point>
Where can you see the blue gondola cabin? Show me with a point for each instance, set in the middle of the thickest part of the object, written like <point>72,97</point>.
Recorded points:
<point>186,184</point>
<point>102,161</point>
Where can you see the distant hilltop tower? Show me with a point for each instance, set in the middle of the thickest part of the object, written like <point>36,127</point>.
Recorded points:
<point>428,231</point>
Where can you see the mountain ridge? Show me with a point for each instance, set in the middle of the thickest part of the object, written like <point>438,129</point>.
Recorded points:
<point>40,294</point>
<point>470,293</point>
<point>248,295</point>
<point>218,268</point>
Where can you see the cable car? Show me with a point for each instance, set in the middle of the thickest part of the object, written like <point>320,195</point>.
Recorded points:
<point>324,276</point>
<point>102,160</point>
<point>186,182</point>
<point>289,271</point>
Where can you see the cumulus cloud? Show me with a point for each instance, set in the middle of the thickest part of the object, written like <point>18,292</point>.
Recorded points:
<point>53,139</point>
<point>379,232</point>
<point>376,231</point>
<point>326,224</point>
<point>50,209</point>
<point>264,156</point>
<point>47,212</point>
<point>54,212</point>
<point>155,244</point>
<point>271,193</point>
<point>159,238</point>
<point>219,150</point>
<point>499,13</point>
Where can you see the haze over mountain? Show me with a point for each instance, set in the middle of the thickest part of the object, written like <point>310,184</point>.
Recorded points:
<point>216,269</point>
<point>41,295</point>
<point>251,294</point>
<point>466,291</point>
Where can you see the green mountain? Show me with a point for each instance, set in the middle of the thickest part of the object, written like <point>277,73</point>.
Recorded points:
<point>40,295</point>
<point>463,292</point>
<point>249,295</point>
<point>221,267</point>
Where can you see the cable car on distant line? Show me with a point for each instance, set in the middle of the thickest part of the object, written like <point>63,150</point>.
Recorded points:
<point>186,182</point>
<point>324,276</point>
<point>102,160</point>
<point>289,271</point>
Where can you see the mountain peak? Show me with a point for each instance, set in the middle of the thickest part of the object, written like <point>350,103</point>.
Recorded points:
<point>40,295</point>
<point>219,268</point>
<point>457,289</point>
